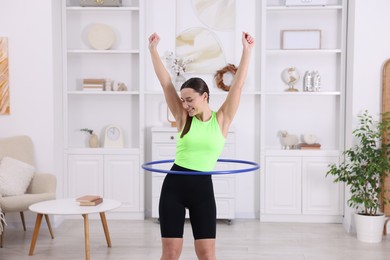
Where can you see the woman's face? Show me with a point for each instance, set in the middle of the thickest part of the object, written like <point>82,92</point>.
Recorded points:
<point>192,101</point>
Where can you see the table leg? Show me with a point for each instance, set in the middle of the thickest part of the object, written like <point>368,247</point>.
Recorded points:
<point>49,225</point>
<point>36,232</point>
<point>105,227</point>
<point>86,234</point>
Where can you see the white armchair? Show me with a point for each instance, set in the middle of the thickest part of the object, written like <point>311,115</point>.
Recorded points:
<point>42,186</point>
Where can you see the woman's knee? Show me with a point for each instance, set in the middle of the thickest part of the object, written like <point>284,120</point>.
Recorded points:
<point>171,248</point>
<point>205,249</point>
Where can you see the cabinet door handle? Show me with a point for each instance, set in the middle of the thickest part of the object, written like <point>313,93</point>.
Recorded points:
<point>172,137</point>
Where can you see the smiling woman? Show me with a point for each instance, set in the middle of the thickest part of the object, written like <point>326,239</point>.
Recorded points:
<point>203,133</point>
<point>4,77</point>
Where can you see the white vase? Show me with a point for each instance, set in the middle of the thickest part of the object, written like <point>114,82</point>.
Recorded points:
<point>179,80</point>
<point>369,229</point>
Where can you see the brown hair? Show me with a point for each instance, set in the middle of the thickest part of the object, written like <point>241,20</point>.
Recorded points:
<point>200,87</point>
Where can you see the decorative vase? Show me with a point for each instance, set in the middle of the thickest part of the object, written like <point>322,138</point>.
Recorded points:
<point>369,229</point>
<point>179,80</point>
<point>93,141</point>
<point>309,138</point>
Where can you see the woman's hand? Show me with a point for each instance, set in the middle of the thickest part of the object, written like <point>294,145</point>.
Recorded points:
<point>247,40</point>
<point>154,39</point>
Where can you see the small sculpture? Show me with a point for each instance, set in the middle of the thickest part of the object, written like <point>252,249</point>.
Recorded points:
<point>289,141</point>
<point>308,81</point>
<point>122,87</point>
<point>119,86</point>
<point>290,76</point>
<point>312,81</point>
<point>316,81</point>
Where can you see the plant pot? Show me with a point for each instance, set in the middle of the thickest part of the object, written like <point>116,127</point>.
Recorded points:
<point>93,141</point>
<point>369,229</point>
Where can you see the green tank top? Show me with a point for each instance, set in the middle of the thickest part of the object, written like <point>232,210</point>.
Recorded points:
<point>200,148</point>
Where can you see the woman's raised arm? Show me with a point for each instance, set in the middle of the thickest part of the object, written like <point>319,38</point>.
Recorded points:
<point>229,108</point>
<point>172,98</point>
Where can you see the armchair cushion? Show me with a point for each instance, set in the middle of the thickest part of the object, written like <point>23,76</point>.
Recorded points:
<point>15,176</point>
<point>22,202</point>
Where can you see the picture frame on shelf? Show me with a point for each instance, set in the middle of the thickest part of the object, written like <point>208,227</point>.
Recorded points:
<point>103,3</point>
<point>305,3</point>
<point>309,39</point>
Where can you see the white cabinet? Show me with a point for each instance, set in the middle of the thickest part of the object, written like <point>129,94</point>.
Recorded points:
<point>290,183</point>
<point>121,181</point>
<point>115,176</point>
<point>164,147</point>
<point>320,195</point>
<point>85,175</point>
<point>298,190</point>
<point>283,190</point>
<point>114,173</point>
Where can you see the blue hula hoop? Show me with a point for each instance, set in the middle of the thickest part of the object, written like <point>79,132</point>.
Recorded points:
<point>254,167</point>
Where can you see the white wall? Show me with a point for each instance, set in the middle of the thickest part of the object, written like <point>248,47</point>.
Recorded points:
<point>28,26</point>
<point>31,74</point>
<point>368,49</point>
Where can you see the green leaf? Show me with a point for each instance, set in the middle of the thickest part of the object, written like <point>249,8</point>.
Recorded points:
<point>366,163</point>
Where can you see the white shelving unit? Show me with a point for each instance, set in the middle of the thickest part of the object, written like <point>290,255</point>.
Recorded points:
<point>293,186</point>
<point>111,173</point>
<point>284,174</point>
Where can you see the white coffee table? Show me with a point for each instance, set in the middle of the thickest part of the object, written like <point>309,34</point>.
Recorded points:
<point>71,207</point>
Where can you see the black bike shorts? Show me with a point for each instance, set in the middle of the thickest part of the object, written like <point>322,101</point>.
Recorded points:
<point>194,192</point>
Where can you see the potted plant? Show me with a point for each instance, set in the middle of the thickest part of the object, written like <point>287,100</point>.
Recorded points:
<point>93,140</point>
<point>364,166</point>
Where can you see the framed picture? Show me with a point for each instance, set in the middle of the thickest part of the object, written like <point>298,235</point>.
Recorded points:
<point>301,39</point>
<point>305,2</point>
<point>4,77</point>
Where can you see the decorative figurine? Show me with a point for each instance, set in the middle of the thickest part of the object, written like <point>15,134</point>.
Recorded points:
<point>290,76</point>
<point>289,141</point>
<point>308,81</point>
<point>316,81</point>
<point>312,81</point>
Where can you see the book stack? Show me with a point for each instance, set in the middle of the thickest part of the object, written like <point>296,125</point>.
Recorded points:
<point>93,84</point>
<point>305,146</point>
<point>90,200</point>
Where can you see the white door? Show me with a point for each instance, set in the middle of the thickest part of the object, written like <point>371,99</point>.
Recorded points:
<point>85,175</point>
<point>282,185</point>
<point>122,181</point>
<point>320,195</point>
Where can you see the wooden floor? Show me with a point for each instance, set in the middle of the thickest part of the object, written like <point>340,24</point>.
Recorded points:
<point>242,240</point>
